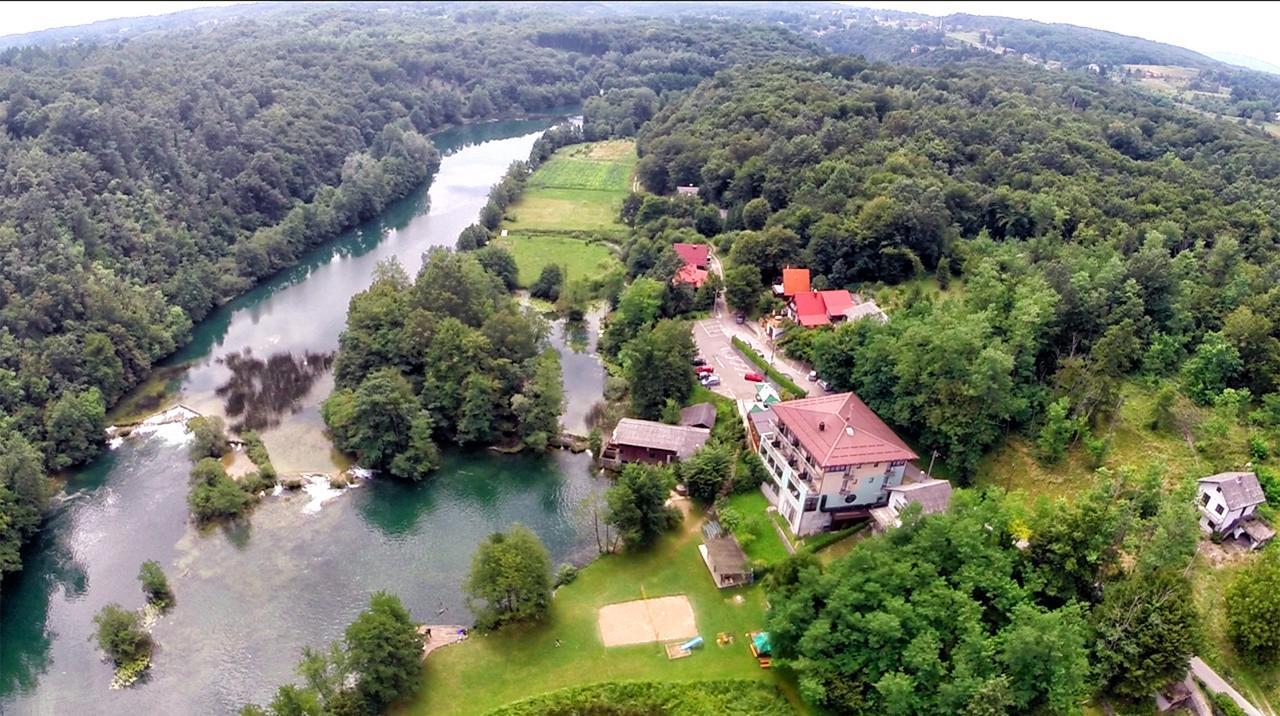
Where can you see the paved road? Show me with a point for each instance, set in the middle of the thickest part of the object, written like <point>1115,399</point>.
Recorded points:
<point>797,371</point>
<point>1216,683</point>
<point>714,345</point>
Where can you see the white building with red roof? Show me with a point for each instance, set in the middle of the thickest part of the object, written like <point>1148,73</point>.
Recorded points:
<point>830,460</point>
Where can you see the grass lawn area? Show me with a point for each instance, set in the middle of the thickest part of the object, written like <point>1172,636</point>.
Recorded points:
<point>756,533</point>
<point>1014,465</point>
<point>489,671</point>
<point>580,188</point>
<point>578,257</point>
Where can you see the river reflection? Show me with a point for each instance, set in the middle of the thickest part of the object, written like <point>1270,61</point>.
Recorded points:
<point>260,392</point>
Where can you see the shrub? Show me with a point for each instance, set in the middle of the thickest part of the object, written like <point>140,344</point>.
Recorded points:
<point>1253,609</point>
<point>154,585</point>
<point>208,437</point>
<point>215,495</point>
<point>548,284</point>
<point>565,575</point>
<point>120,634</point>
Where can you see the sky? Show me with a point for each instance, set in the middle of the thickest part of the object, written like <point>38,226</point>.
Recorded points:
<point>20,17</point>
<point>1245,28</point>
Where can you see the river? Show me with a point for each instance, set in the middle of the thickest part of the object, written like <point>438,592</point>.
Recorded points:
<point>251,595</point>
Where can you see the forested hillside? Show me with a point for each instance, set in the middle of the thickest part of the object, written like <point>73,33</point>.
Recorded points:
<point>1098,233</point>
<point>144,182</point>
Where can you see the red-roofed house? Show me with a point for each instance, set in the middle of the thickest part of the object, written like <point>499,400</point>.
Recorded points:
<point>831,460</point>
<point>691,275</point>
<point>794,281</point>
<point>820,308</point>
<point>695,255</point>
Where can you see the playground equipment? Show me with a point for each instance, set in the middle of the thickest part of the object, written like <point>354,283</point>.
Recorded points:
<point>761,648</point>
<point>692,644</point>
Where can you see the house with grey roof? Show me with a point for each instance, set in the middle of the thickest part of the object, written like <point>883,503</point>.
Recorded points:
<point>700,415</point>
<point>931,494</point>
<point>651,442</point>
<point>1228,503</point>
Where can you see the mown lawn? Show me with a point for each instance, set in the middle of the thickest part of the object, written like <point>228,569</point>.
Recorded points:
<point>579,258</point>
<point>581,188</point>
<point>491,670</point>
<point>756,534</point>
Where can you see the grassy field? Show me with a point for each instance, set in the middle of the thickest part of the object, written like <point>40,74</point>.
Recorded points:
<point>580,189</point>
<point>1014,466</point>
<point>578,258</point>
<point>756,534</point>
<point>1258,683</point>
<point>491,670</point>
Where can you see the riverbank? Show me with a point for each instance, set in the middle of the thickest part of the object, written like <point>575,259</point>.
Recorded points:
<point>254,592</point>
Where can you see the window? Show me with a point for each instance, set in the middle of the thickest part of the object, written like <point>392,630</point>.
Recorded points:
<point>810,504</point>
<point>1218,509</point>
<point>1204,498</point>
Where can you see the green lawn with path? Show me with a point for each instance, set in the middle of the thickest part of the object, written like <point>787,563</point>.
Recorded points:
<point>491,670</point>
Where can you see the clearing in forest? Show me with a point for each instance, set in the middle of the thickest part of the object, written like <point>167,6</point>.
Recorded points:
<point>580,189</point>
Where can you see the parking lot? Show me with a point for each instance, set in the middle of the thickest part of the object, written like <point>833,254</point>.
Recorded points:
<point>715,346</point>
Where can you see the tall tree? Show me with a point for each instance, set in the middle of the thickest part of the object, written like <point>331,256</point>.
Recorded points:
<point>510,579</point>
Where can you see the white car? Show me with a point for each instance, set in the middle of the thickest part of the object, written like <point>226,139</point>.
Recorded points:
<point>824,385</point>
<point>710,379</point>
<point>813,375</point>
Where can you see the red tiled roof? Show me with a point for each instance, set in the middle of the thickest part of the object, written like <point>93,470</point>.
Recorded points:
<point>691,275</point>
<point>794,281</point>
<point>841,430</point>
<point>693,254</point>
<point>810,310</point>
<point>837,302</point>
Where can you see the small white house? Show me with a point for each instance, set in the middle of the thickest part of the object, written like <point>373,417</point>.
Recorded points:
<point>1228,502</point>
<point>931,494</point>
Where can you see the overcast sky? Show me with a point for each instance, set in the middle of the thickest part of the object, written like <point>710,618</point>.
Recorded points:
<point>1239,27</point>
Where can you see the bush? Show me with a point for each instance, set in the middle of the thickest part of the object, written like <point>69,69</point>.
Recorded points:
<point>257,452</point>
<point>213,494</point>
<point>635,698</point>
<point>154,585</point>
<point>790,390</point>
<point>208,437</point>
<point>565,575</point>
<point>120,634</point>
<point>1253,609</point>
<point>548,284</point>
<point>1258,449</point>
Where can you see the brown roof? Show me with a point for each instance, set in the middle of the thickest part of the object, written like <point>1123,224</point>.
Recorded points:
<point>702,415</point>
<point>1239,489</point>
<point>933,495</point>
<point>795,280</point>
<point>841,430</point>
<point>683,441</point>
<point>726,557</point>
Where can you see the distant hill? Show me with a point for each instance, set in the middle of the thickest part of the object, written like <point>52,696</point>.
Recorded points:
<point>1246,61</point>
<point>106,31</point>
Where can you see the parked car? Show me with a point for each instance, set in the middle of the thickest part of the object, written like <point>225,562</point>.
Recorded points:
<point>813,375</point>
<point>740,319</point>
<point>710,379</point>
<point>704,369</point>
<point>699,361</point>
<point>754,377</point>
<point>824,385</point>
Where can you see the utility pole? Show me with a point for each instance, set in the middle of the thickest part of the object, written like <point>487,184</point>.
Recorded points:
<point>932,457</point>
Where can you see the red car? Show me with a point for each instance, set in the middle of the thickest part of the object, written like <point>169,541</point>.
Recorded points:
<point>704,369</point>
<point>754,377</point>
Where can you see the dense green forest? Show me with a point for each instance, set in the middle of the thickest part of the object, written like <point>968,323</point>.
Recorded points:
<point>146,181</point>
<point>1098,233</point>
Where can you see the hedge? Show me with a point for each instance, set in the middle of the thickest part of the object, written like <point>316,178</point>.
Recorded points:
<point>730,697</point>
<point>790,390</point>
